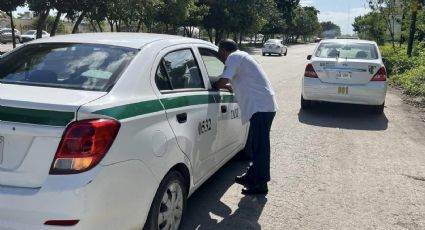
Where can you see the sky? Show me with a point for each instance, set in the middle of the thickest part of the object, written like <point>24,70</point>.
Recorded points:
<point>340,12</point>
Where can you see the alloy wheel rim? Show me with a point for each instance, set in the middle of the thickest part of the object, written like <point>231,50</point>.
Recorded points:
<point>171,208</point>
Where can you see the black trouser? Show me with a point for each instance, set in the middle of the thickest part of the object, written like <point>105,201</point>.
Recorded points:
<point>259,129</point>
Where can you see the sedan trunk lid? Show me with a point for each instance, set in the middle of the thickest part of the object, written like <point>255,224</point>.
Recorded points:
<point>32,123</point>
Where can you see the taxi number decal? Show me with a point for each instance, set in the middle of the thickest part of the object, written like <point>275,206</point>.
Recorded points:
<point>343,90</point>
<point>204,126</point>
<point>234,113</point>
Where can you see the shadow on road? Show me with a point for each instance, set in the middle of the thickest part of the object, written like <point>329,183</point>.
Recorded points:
<point>204,207</point>
<point>344,116</point>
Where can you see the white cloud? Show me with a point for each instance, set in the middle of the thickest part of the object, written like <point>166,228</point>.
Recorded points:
<point>307,2</point>
<point>343,19</point>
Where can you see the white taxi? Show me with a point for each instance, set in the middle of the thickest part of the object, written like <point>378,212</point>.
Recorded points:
<point>345,71</point>
<point>274,46</point>
<point>110,130</point>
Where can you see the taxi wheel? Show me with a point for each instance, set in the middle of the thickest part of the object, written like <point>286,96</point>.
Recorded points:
<point>305,104</point>
<point>285,53</point>
<point>169,203</point>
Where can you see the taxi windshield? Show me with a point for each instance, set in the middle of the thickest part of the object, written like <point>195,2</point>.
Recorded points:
<point>347,50</point>
<point>91,67</point>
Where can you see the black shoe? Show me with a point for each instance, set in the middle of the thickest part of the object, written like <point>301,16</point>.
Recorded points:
<point>255,189</point>
<point>243,180</point>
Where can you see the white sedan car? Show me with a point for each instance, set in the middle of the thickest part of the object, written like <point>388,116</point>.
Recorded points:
<point>274,46</point>
<point>110,130</point>
<point>345,71</point>
<point>32,34</point>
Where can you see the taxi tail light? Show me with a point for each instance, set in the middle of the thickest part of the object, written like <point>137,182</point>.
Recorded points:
<point>83,145</point>
<point>381,75</point>
<point>310,72</point>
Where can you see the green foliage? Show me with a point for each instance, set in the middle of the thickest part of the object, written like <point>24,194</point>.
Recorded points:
<point>329,30</point>
<point>370,27</point>
<point>406,73</point>
<point>49,24</point>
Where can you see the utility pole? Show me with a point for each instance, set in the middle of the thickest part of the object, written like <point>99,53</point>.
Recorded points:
<point>415,5</point>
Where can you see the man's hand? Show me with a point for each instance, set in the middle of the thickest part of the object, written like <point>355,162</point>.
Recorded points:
<point>223,83</point>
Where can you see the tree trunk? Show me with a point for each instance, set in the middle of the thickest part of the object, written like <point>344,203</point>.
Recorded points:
<point>93,25</point>
<point>55,24</point>
<point>99,25</point>
<point>42,22</point>
<point>12,26</point>
<point>240,38</point>
<point>412,28</point>
<point>139,25</point>
<point>111,24</point>
<point>210,36</point>
<point>78,22</point>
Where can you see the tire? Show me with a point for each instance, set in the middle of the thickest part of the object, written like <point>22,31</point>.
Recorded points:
<point>17,41</point>
<point>264,54</point>
<point>379,109</point>
<point>305,104</point>
<point>285,53</point>
<point>173,183</point>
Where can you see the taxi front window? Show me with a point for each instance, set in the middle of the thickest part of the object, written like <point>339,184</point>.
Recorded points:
<point>91,67</point>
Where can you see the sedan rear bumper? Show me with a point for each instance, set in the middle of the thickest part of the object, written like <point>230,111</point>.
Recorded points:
<point>373,93</point>
<point>95,198</point>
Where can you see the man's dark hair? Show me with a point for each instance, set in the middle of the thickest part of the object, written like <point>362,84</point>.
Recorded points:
<point>229,45</point>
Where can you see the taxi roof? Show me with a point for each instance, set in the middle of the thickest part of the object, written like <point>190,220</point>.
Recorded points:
<point>347,41</point>
<point>131,40</point>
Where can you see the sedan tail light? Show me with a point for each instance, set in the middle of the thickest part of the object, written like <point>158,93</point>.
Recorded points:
<point>381,75</point>
<point>83,145</point>
<point>310,72</point>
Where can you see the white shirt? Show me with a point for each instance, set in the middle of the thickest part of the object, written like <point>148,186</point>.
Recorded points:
<point>250,84</point>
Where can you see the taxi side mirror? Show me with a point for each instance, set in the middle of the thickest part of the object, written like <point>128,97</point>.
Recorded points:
<point>308,57</point>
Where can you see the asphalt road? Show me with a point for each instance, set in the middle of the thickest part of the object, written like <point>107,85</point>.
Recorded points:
<point>334,167</point>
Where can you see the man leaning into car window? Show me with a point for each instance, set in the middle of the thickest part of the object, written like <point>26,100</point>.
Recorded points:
<point>243,75</point>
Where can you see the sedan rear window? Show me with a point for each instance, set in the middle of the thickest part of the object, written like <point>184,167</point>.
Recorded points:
<point>66,65</point>
<point>347,50</point>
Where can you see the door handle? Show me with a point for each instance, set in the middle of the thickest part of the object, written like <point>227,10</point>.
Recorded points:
<point>223,109</point>
<point>182,117</point>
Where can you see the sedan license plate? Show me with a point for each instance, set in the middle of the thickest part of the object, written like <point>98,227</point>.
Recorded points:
<point>343,75</point>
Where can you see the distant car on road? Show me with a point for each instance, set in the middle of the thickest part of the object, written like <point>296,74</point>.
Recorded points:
<point>32,34</point>
<point>316,40</point>
<point>6,35</point>
<point>345,71</point>
<point>274,46</point>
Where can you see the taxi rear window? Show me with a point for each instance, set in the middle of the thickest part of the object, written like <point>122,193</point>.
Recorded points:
<point>91,67</point>
<point>347,50</point>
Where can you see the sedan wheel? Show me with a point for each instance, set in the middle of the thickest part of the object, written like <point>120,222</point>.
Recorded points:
<point>169,204</point>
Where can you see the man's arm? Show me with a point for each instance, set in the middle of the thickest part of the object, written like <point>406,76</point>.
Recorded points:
<point>223,83</point>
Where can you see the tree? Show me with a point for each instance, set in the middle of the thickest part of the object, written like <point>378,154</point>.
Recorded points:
<point>370,27</point>
<point>41,9</point>
<point>389,12</point>
<point>329,30</point>
<point>8,6</point>
<point>196,14</point>
<point>306,21</point>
